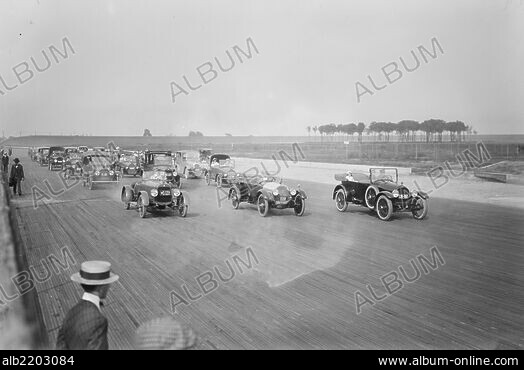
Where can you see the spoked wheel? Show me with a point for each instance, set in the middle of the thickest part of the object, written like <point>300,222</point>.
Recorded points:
<point>141,208</point>
<point>235,202</point>
<point>263,206</point>
<point>300,206</point>
<point>384,208</point>
<point>340,201</point>
<point>370,197</point>
<point>182,207</point>
<point>421,209</point>
<point>208,179</point>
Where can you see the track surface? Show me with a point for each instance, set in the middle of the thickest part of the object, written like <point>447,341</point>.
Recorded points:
<point>301,294</point>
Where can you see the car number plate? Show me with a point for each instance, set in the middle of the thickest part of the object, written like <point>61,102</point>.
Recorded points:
<point>165,192</point>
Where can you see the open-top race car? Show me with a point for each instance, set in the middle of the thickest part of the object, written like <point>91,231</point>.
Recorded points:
<point>56,160</point>
<point>190,164</point>
<point>221,170</point>
<point>98,168</point>
<point>266,193</point>
<point>42,156</point>
<point>381,192</point>
<point>73,165</point>
<point>129,164</point>
<point>154,191</point>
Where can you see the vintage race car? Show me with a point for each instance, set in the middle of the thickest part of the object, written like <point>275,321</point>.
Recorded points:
<point>162,160</point>
<point>380,192</point>
<point>190,165</point>
<point>129,164</point>
<point>221,170</point>
<point>73,165</point>
<point>98,168</point>
<point>266,193</point>
<point>154,192</point>
<point>42,156</point>
<point>56,161</point>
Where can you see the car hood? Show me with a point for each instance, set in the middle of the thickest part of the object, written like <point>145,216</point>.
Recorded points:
<point>389,186</point>
<point>272,186</point>
<point>155,184</point>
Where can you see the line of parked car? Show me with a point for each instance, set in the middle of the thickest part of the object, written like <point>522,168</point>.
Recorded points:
<point>160,175</point>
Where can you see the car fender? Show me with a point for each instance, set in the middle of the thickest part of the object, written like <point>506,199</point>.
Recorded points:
<point>423,195</point>
<point>145,197</point>
<point>127,194</point>
<point>186,198</point>
<point>302,193</point>
<point>266,194</point>
<point>388,194</point>
<point>337,188</point>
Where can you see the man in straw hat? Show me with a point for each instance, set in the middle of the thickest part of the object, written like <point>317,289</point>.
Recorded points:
<point>84,326</point>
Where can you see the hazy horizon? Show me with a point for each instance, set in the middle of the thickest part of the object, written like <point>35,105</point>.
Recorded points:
<point>124,56</point>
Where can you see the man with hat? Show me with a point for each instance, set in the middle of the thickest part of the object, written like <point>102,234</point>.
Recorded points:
<point>84,326</point>
<point>5,162</point>
<point>17,176</point>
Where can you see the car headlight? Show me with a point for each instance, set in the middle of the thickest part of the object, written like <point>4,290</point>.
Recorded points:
<point>395,193</point>
<point>176,192</point>
<point>293,192</point>
<point>111,173</point>
<point>154,192</point>
<point>414,193</point>
<point>275,192</point>
<point>97,173</point>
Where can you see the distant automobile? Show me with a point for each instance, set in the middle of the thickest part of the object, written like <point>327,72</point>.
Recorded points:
<point>379,191</point>
<point>161,159</point>
<point>154,192</point>
<point>190,164</point>
<point>98,168</point>
<point>128,163</point>
<point>83,149</point>
<point>56,160</point>
<point>221,170</point>
<point>73,165</point>
<point>266,193</point>
<point>42,156</point>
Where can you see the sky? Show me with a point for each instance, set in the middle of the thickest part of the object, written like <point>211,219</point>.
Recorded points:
<point>309,57</point>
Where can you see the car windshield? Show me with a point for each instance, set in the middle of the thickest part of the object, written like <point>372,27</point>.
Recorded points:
<point>191,156</point>
<point>384,174</point>
<point>162,160</point>
<point>100,161</point>
<point>45,151</point>
<point>155,175</point>
<point>128,158</point>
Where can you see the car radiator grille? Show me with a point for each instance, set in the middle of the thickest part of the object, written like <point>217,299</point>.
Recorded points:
<point>164,198</point>
<point>403,193</point>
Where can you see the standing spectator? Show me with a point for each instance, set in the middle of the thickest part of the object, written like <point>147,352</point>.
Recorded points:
<point>17,176</point>
<point>84,326</point>
<point>5,162</point>
<point>10,151</point>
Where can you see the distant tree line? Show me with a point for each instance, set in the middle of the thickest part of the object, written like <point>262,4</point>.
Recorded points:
<point>195,133</point>
<point>406,130</point>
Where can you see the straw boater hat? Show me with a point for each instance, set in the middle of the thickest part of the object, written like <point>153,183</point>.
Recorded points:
<point>95,273</point>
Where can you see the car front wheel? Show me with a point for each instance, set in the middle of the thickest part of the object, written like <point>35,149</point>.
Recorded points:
<point>370,197</point>
<point>384,208</point>
<point>300,206</point>
<point>235,202</point>
<point>340,200</point>
<point>421,209</point>
<point>263,206</point>
<point>141,208</point>
<point>208,179</point>
<point>182,207</point>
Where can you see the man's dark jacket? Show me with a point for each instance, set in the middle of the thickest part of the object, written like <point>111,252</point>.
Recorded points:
<point>17,172</point>
<point>83,328</point>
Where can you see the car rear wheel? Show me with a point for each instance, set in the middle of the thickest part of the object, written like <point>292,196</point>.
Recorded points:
<point>340,200</point>
<point>263,206</point>
<point>235,202</point>
<point>182,207</point>
<point>300,206</point>
<point>384,208</point>
<point>370,197</point>
<point>141,208</point>
<point>421,210</point>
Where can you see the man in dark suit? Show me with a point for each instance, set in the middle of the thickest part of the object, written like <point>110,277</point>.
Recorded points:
<point>84,326</point>
<point>17,176</point>
<point>5,162</point>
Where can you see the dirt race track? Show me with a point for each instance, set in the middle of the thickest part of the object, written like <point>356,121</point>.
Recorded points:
<point>301,294</point>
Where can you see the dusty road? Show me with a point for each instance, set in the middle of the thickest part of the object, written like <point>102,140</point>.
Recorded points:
<point>302,292</point>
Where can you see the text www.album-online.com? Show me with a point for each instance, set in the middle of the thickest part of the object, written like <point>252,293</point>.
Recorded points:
<point>444,361</point>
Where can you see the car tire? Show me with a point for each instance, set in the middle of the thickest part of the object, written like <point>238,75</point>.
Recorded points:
<point>420,214</point>
<point>208,179</point>
<point>370,197</point>
<point>340,200</point>
<point>299,208</point>
<point>235,201</point>
<point>262,206</point>
<point>182,207</point>
<point>384,208</point>
<point>141,208</point>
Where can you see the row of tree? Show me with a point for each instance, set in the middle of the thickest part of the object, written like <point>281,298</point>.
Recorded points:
<point>406,130</point>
